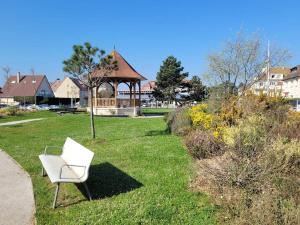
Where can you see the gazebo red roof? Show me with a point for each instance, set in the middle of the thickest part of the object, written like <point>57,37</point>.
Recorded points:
<point>125,70</point>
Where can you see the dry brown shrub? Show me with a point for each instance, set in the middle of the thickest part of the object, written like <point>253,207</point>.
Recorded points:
<point>10,111</point>
<point>179,122</point>
<point>258,190</point>
<point>202,144</point>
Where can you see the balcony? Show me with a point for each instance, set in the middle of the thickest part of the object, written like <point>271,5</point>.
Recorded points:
<point>115,103</point>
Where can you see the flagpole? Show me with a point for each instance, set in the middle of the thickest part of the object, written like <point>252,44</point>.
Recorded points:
<point>268,69</point>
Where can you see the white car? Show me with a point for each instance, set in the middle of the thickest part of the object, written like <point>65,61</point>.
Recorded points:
<point>43,107</point>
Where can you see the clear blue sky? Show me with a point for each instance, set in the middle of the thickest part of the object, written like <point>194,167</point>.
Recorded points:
<point>40,34</point>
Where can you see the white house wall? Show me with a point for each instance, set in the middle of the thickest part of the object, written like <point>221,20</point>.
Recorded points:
<point>291,88</point>
<point>67,89</point>
<point>45,89</point>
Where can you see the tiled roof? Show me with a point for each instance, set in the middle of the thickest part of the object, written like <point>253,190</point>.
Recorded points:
<point>27,86</point>
<point>274,70</point>
<point>295,72</point>
<point>55,84</point>
<point>280,70</point>
<point>79,84</point>
<point>125,70</point>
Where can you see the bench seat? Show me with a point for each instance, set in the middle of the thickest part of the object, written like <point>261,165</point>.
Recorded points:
<point>57,170</point>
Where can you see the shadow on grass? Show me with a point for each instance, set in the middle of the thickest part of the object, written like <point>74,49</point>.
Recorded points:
<point>156,133</point>
<point>106,180</point>
<point>155,113</point>
<point>13,125</point>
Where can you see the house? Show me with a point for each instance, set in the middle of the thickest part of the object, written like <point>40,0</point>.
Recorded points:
<point>72,89</point>
<point>25,88</point>
<point>271,85</point>
<point>291,87</point>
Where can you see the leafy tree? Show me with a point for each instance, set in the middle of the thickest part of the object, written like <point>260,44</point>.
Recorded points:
<point>219,94</point>
<point>6,75</point>
<point>242,59</point>
<point>169,79</point>
<point>90,65</point>
<point>6,70</point>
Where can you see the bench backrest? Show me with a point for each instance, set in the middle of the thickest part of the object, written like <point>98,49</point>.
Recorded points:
<point>76,154</point>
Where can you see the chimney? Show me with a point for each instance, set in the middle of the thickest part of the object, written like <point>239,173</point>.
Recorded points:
<point>18,77</point>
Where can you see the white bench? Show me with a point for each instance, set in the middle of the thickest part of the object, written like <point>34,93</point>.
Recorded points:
<point>72,166</point>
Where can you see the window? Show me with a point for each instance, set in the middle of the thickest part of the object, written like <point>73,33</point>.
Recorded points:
<point>43,92</point>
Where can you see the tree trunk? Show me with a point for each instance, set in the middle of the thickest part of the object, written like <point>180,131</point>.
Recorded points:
<point>92,114</point>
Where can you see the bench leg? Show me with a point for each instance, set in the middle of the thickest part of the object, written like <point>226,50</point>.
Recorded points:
<point>43,172</point>
<point>55,196</point>
<point>87,191</point>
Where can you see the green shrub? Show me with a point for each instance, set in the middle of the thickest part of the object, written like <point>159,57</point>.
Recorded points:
<point>203,144</point>
<point>248,137</point>
<point>178,121</point>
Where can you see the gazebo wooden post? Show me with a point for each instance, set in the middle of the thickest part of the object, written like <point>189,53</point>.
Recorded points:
<point>139,93</point>
<point>134,96</point>
<point>130,94</point>
<point>116,92</point>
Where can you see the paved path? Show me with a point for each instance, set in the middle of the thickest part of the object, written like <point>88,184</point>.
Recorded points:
<point>19,121</point>
<point>16,194</point>
<point>150,115</point>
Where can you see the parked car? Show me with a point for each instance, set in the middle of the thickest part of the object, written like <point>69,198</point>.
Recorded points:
<point>54,107</point>
<point>43,107</point>
<point>3,106</point>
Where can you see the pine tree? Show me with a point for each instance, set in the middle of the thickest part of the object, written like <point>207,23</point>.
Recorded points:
<point>169,79</point>
<point>197,91</point>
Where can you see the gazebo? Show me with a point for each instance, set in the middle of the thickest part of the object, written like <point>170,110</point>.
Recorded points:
<point>106,101</point>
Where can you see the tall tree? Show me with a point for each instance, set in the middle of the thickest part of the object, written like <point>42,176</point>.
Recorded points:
<point>196,90</point>
<point>90,65</point>
<point>32,70</point>
<point>169,79</point>
<point>242,59</point>
<point>6,70</point>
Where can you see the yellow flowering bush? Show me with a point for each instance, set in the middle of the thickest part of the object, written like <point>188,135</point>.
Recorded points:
<point>200,117</point>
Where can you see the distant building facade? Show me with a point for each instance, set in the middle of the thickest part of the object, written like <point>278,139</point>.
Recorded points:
<point>291,87</point>
<point>291,83</point>
<point>272,85</point>
<point>72,89</point>
<point>21,88</point>
<point>147,90</point>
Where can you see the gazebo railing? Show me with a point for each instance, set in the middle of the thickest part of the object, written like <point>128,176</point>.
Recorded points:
<point>112,102</point>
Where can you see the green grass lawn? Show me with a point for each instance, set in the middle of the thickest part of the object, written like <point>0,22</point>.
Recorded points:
<point>26,116</point>
<point>140,175</point>
<point>156,110</point>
